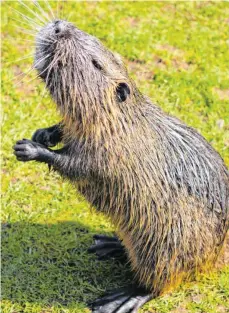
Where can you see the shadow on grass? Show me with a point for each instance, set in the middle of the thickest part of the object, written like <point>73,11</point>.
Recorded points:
<point>50,265</point>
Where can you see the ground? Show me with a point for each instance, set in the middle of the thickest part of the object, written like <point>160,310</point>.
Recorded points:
<point>178,55</point>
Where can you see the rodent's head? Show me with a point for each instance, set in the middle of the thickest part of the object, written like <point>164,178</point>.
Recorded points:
<point>79,71</point>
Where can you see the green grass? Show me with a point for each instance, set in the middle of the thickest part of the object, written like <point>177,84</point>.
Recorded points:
<point>178,55</point>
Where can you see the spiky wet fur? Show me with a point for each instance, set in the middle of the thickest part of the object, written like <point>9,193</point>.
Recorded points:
<point>163,186</point>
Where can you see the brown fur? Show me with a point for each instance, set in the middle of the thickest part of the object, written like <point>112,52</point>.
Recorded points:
<point>163,186</point>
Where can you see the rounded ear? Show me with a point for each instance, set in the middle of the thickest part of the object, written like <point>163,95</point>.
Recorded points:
<point>118,58</point>
<point>123,91</point>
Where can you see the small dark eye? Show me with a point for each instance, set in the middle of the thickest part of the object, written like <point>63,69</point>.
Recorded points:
<point>123,91</point>
<point>97,65</point>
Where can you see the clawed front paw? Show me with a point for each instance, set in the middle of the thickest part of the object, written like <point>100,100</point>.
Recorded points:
<point>44,137</point>
<point>27,150</point>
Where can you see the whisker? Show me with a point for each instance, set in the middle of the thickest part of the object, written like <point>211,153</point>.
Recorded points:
<point>26,31</point>
<point>39,74</point>
<point>28,40</point>
<point>54,61</point>
<point>19,75</point>
<point>49,65</point>
<point>50,9</point>
<point>42,59</point>
<point>68,18</point>
<point>38,37</point>
<point>34,13</point>
<point>29,70</point>
<point>62,10</point>
<point>24,58</point>
<point>36,3</point>
<point>37,27</point>
<point>57,8</point>
<point>23,16</point>
<point>34,42</point>
<point>43,92</point>
<point>32,31</point>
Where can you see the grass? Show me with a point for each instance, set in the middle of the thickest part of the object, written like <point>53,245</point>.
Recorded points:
<point>178,54</point>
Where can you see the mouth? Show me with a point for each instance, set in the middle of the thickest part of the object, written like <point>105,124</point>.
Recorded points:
<point>46,43</point>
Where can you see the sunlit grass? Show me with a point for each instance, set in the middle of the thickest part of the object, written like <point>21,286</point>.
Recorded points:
<point>178,55</point>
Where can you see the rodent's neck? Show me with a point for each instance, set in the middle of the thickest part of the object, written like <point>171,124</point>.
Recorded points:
<point>102,122</point>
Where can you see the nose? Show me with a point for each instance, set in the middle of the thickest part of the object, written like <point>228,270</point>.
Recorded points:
<point>57,26</point>
<point>62,28</point>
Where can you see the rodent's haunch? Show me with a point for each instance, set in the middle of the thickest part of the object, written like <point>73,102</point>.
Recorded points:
<point>161,183</point>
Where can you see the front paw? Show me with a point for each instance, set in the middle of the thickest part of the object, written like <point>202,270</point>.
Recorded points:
<point>27,150</point>
<point>44,137</point>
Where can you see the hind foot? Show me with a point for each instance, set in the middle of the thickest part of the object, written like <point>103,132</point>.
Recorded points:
<point>107,247</point>
<point>123,300</point>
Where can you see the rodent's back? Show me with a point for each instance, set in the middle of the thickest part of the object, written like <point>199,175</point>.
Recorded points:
<point>167,190</point>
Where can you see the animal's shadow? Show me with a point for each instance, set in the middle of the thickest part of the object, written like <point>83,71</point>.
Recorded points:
<point>49,264</point>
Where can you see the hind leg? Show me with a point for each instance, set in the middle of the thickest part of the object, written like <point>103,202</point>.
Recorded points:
<point>106,247</point>
<point>123,300</point>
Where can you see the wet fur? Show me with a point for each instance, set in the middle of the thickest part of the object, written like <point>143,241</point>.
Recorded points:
<point>163,186</point>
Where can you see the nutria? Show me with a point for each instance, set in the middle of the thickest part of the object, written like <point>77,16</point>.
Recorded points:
<point>164,187</point>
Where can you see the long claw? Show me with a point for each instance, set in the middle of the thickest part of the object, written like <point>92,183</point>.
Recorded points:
<point>107,247</point>
<point>105,238</point>
<point>124,300</point>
